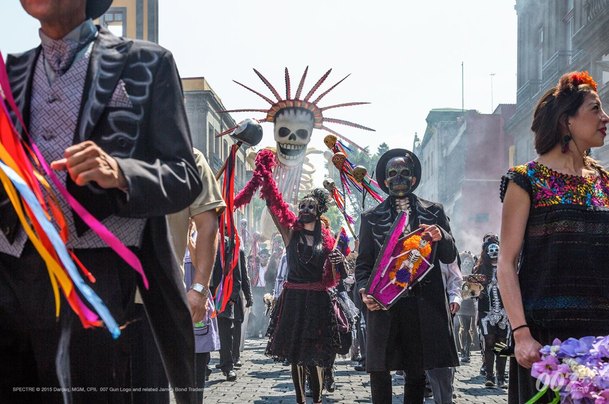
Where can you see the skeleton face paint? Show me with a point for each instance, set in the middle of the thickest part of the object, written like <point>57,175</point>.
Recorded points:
<point>293,129</point>
<point>399,175</point>
<point>307,210</point>
<point>492,251</point>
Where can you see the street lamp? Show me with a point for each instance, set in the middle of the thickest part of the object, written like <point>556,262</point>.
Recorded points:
<point>492,105</point>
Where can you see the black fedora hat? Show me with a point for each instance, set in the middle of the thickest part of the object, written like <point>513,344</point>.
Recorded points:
<point>388,155</point>
<point>95,8</point>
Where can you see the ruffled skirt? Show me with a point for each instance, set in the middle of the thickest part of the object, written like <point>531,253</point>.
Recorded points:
<point>303,328</point>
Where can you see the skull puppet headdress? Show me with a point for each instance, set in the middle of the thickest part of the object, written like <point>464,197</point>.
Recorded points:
<point>299,108</point>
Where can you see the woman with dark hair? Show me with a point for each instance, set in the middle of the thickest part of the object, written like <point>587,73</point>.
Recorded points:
<point>303,330</point>
<point>553,270</point>
<point>492,320</point>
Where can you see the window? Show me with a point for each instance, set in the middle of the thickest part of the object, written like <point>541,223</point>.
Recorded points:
<point>114,21</point>
<point>216,143</point>
<point>540,55</point>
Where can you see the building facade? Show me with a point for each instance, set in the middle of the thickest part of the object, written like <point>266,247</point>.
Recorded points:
<point>202,106</point>
<point>555,37</point>
<point>138,19</point>
<point>463,156</point>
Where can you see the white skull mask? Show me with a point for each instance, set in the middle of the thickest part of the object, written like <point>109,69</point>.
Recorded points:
<point>493,251</point>
<point>293,128</point>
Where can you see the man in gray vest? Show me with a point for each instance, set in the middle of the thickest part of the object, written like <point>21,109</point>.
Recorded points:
<point>108,114</point>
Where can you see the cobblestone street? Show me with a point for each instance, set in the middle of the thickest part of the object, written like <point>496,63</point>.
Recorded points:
<point>261,380</point>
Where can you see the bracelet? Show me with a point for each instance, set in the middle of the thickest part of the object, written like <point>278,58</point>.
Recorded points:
<point>519,327</point>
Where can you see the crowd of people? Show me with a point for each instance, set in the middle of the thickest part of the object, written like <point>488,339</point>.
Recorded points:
<point>305,288</point>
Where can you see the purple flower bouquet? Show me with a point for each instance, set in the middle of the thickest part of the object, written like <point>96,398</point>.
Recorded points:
<point>577,370</point>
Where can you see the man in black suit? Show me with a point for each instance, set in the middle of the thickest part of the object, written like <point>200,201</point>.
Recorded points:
<point>415,334</point>
<point>231,318</point>
<point>108,114</point>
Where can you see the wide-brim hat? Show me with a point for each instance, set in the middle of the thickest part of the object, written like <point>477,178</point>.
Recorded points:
<point>95,8</point>
<point>382,165</point>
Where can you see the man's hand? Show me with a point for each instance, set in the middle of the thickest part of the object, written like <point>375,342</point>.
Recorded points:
<point>86,162</point>
<point>433,231</point>
<point>454,308</point>
<point>198,305</point>
<point>370,303</point>
<point>249,302</point>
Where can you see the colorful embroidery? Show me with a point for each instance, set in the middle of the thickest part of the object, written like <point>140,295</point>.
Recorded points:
<point>550,187</point>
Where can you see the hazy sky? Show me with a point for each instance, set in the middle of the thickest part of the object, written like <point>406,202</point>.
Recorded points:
<point>403,56</point>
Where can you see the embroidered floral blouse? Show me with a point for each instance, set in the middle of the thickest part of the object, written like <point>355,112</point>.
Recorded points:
<point>564,263</point>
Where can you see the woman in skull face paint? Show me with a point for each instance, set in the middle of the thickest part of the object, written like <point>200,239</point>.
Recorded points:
<point>303,329</point>
<point>492,319</point>
<point>552,269</point>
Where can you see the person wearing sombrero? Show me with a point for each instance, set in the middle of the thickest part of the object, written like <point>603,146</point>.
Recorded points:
<point>415,334</point>
<point>107,113</point>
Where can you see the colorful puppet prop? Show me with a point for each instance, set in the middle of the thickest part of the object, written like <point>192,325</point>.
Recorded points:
<point>248,132</point>
<point>351,176</point>
<point>472,286</point>
<point>294,118</point>
<point>300,115</point>
<point>402,262</point>
<point>339,200</point>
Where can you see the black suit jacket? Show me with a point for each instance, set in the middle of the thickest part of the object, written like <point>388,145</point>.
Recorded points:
<point>436,330</point>
<point>241,281</point>
<point>151,142</point>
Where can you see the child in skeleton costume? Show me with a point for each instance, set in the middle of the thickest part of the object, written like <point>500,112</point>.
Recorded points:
<point>416,333</point>
<point>492,318</point>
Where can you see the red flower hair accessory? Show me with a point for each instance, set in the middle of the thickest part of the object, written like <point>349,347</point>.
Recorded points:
<point>570,82</point>
<point>579,78</point>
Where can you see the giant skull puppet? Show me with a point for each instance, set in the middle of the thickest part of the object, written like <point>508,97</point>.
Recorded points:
<point>295,116</point>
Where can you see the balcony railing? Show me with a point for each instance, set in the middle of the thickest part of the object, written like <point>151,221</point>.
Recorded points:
<point>594,8</point>
<point>554,67</point>
<point>527,91</point>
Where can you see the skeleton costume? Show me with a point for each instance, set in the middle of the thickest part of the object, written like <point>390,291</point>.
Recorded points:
<point>395,336</point>
<point>492,318</point>
<point>303,328</point>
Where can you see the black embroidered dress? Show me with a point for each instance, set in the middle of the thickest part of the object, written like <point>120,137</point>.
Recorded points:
<point>303,327</point>
<point>564,265</point>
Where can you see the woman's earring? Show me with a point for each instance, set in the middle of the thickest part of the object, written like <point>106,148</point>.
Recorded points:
<point>564,143</point>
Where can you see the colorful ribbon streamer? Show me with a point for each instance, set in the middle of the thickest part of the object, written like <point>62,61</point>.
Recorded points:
<point>23,184</point>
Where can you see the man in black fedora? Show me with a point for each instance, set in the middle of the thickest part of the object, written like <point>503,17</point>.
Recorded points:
<point>415,334</point>
<point>108,114</point>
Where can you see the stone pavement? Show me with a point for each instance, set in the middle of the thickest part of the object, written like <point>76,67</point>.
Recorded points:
<point>261,380</point>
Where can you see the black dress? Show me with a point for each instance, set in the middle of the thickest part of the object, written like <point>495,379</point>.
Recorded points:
<point>303,327</point>
<point>563,270</point>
